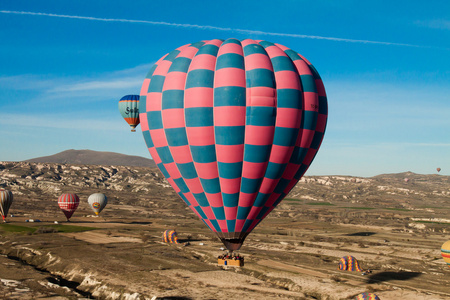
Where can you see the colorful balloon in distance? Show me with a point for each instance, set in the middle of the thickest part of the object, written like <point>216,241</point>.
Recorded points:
<point>68,203</point>
<point>97,202</point>
<point>445,252</point>
<point>349,263</point>
<point>233,125</point>
<point>6,199</point>
<point>170,236</point>
<point>129,109</point>
<point>438,169</point>
<point>367,296</point>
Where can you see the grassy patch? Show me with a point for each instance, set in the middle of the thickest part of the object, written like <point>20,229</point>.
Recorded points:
<point>398,209</point>
<point>16,228</point>
<point>357,207</point>
<point>292,199</point>
<point>43,229</point>
<point>431,222</point>
<point>321,203</point>
<point>70,228</point>
<point>433,207</point>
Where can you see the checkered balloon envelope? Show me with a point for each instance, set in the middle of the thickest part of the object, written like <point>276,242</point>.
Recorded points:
<point>233,125</point>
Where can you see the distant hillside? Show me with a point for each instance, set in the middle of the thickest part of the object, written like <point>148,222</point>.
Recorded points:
<point>90,157</point>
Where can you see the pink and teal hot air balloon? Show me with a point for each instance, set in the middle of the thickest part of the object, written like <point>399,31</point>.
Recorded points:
<point>233,125</point>
<point>129,109</point>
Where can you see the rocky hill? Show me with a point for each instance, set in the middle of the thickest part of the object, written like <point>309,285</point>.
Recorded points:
<point>426,194</point>
<point>394,226</point>
<point>90,157</point>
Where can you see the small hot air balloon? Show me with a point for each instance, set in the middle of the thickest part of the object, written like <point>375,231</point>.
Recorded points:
<point>68,204</point>
<point>438,169</point>
<point>233,126</point>
<point>406,180</point>
<point>170,236</point>
<point>6,199</point>
<point>97,202</point>
<point>445,252</point>
<point>367,296</point>
<point>349,263</point>
<point>129,109</point>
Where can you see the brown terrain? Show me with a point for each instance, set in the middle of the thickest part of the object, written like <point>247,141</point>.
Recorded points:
<point>392,226</point>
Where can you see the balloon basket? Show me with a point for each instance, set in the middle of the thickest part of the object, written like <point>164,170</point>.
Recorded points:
<point>230,262</point>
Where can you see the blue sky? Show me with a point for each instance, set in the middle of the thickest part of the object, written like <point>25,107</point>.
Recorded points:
<point>385,65</point>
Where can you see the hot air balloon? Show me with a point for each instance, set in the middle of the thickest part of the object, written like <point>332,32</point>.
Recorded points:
<point>97,202</point>
<point>349,263</point>
<point>170,236</point>
<point>438,169</point>
<point>445,252</point>
<point>6,199</point>
<point>129,109</point>
<point>233,125</point>
<point>68,204</point>
<point>367,296</point>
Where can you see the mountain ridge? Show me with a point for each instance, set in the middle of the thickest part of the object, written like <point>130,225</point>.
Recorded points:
<point>91,157</point>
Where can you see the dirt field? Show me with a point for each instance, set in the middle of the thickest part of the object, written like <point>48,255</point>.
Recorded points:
<point>126,260</point>
<point>292,254</point>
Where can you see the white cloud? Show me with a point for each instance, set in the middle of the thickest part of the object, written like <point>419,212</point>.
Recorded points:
<point>60,121</point>
<point>102,87</point>
<point>114,84</point>
<point>26,82</point>
<point>209,27</point>
<point>436,24</point>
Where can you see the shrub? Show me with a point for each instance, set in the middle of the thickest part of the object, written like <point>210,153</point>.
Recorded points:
<point>46,230</point>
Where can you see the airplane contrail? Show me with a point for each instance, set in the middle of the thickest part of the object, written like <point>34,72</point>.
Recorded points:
<point>209,27</point>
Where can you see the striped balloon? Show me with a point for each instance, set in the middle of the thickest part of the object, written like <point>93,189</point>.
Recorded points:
<point>233,125</point>
<point>6,199</point>
<point>445,252</point>
<point>349,263</point>
<point>170,236</point>
<point>129,109</point>
<point>367,296</point>
<point>97,202</point>
<point>68,204</point>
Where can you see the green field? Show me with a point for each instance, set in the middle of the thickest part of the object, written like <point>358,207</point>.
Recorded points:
<point>43,229</point>
<point>432,222</point>
<point>357,207</point>
<point>321,203</point>
<point>292,199</point>
<point>16,228</point>
<point>398,209</point>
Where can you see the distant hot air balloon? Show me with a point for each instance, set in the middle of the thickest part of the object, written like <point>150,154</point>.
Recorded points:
<point>349,263</point>
<point>97,202</point>
<point>438,169</point>
<point>406,180</point>
<point>68,204</point>
<point>170,236</point>
<point>367,296</point>
<point>233,125</point>
<point>129,109</point>
<point>6,199</point>
<point>445,252</point>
